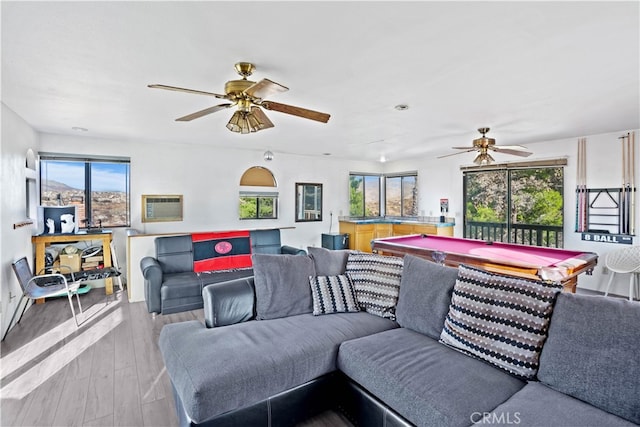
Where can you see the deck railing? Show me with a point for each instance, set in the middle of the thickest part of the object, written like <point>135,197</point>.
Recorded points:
<point>526,234</point>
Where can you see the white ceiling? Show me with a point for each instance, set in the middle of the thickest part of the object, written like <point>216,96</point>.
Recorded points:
<point>532,71</point>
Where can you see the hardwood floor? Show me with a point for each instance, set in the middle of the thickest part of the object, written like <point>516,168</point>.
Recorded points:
<point>109,372</point>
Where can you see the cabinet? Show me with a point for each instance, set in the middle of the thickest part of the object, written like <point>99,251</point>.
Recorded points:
<point>361,234</point>
<point>407,228</point>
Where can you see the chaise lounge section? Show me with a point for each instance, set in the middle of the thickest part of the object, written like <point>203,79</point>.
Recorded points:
<point>400,370</point>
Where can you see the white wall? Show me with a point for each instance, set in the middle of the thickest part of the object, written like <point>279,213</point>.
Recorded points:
<point>17,138</point>
<point>209,179</point>
<point>442,178</point>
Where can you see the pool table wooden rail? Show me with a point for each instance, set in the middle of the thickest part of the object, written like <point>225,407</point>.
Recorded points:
<point>565,272</point>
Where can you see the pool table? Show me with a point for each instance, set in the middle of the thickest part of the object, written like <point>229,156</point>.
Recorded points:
<point>534,262</point>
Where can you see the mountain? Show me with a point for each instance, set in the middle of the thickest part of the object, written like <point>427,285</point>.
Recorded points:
<point>50,185</point>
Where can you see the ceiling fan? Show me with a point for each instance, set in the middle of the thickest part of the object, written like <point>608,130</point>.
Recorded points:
<point>483,144</point>
<point>248,96</point>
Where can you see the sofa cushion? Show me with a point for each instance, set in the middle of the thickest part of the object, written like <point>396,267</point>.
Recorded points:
<point>265,241</point>
<point>425,295</point>
<point>592,353</point>
<point>178,285</point>
<point>328,262</point>
<point>539,405</point>
<point>174,253</point>
<point>282,285</point>
<point>221,369</point>
<point>424,381</point>
<point>376,279</point>
<point>501,319</point>
<point>332,294</point>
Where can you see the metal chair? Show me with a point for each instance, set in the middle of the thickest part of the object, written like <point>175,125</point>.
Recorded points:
<point>43,286</point>
<point>626,260</point>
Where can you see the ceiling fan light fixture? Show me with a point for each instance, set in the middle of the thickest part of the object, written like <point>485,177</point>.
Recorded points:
<point>483,158</point>
<point>243,122</point>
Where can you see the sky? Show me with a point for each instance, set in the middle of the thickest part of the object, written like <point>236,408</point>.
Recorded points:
<point>104,176</point>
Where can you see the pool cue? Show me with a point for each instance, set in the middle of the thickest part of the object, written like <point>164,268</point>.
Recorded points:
<point>628,183</point>
<point>579,187</point>
<point>581,216</point>
<point>633,183</point>
<point>584,185</point>
<point>629,162</point>
<point>625,196</point>
<point>622,192</point>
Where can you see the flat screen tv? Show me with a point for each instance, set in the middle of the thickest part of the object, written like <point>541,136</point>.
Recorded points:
<point>57,219</point>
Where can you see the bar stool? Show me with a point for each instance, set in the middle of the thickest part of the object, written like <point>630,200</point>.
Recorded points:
<point>626,260</point>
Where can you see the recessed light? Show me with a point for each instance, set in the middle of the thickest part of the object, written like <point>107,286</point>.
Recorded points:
<point>383,159</point>
<point>401,107</point>
<point>79,129</point>
<point>326,154</point>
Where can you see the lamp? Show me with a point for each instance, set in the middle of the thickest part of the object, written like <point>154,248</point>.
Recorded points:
<point>484,158</point>
<point>247,119</point>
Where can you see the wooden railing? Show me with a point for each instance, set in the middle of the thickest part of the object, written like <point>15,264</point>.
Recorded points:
<point>526,234</point>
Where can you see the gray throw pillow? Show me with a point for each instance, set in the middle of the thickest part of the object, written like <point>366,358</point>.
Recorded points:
<point>501,319</point>
<point>282,285</point>
<point>328,262</point>
<point>425,295</point>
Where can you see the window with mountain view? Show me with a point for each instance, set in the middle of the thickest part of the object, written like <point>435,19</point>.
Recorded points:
<point>522,206</point>
<point>364,195</point>
<point>401,195</point>
<point>99,187</point>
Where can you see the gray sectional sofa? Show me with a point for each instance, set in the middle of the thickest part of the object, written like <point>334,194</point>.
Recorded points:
<point>170,283</point>
<point>263,361</point>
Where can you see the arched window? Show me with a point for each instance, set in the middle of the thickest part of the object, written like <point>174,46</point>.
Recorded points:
<point>258,204</point>
<point>258,176</point>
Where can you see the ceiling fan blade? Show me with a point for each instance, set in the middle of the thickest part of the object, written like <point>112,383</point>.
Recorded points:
<point>464,148</point>
<point>262,117</point>
<point>265,88</point>
<point>296,111</point>
<point>515,150</point>
<point>455,154</point>
<point>204,112</point>
<point>181,89</point>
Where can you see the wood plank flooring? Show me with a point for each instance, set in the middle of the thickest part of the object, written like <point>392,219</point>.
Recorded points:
<point>109,372</point>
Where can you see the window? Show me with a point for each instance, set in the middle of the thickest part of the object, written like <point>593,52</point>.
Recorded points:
<point>364,195</point>
<point>98,186</point>
<point>401,195</point>
<point>258,205</point>
<point>516,205</point>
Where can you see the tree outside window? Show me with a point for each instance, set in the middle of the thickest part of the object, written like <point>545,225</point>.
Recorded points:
<point>364,195</point>
<point>401,196</point>
<point>258,205</point>
<point>515,205</point>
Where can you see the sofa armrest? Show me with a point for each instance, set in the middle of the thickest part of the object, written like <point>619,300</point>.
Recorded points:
<point>152,273</point>
<point>290,250</point>
<point>230,302</point>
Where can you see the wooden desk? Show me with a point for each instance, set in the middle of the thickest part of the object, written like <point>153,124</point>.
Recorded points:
<point>44,240</point>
